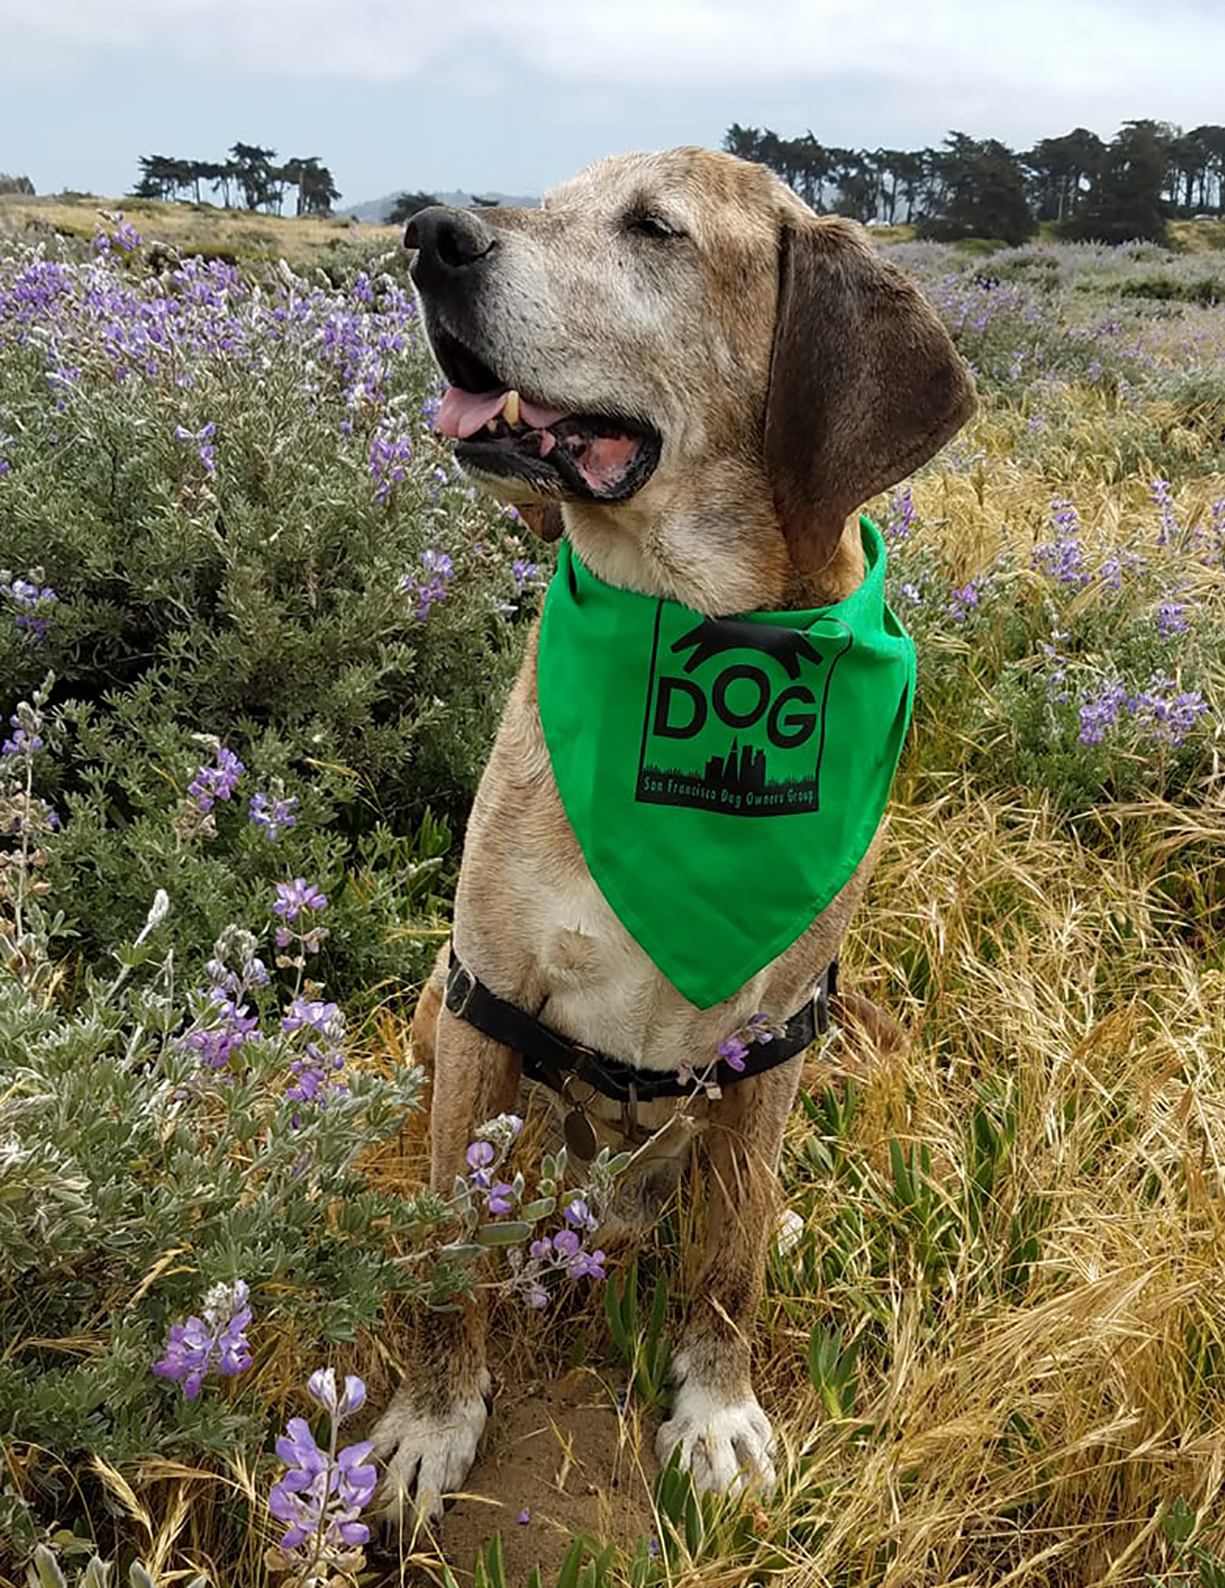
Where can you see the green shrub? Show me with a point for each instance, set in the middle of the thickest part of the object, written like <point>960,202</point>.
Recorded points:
<point>251,533</point>
<point>1205,290</point>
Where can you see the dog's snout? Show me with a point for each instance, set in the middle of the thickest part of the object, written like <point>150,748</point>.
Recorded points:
<point>447,242</point>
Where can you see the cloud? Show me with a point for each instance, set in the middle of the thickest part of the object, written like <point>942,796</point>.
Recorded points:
<point>966,48</point>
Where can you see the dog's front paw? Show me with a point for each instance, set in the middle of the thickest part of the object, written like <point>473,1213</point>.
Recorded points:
<point>426,1456</point>
<point>726,1444</point>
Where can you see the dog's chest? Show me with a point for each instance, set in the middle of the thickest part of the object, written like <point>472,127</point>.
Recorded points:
<point>602,987</point>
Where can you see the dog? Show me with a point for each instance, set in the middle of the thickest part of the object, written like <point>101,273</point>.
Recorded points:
<point>699,379</point>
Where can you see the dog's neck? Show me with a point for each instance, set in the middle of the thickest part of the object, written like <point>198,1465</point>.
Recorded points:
<point>708,561</point>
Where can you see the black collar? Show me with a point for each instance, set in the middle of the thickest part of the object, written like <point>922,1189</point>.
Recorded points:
<point>557,1062</point>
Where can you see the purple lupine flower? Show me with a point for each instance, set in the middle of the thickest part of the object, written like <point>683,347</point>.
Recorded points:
<point>321,1387</point>
<point>586,1265</point>
<point>566,1243</point>
<point>272,813</point>
<point>308,1084</point>
<point>224,1023</point>
<point>1063,560</point>
<point>1163,498</point>
<point>1168,714</point>
<point>321,1493</point>
<point>22,742</point>
<point>297,1449</point>
<point>216,1341</point>
<point>214,1045</point>
<point>564,1252</point>
<point>912,594</point>
<point>1171,619</point>
<point>212,783</point>
<point>524,1517</point>
<point>501,1198</point>
<point>480,1158</point>
<point>524,573</point>
<point>1099,712</point>
<point>439,569</point>
<point>963,600</point>
<point>390,454</point>
<point>296,896</point>
<point>205,445</point>
<point>315,1013</point>
<point>312,1077</point>
<point>1062,557</point>
<point>313,1072</point>
<point>126,237</point>
<point>900,515</point>
<point>579,1215</point>
<point>187,1357</point>
<point>733,1052</point>
<point>31,600</point>
<point>252,971</point>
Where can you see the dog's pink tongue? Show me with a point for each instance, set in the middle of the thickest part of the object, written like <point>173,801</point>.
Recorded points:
<point>463,412</point>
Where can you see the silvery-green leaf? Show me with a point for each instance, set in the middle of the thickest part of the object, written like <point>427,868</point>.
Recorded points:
<point>503,1234</point>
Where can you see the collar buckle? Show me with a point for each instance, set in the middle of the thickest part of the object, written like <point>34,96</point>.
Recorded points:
<point>461,986</point>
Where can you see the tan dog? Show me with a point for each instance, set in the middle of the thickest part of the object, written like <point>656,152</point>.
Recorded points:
<point>778,374</point>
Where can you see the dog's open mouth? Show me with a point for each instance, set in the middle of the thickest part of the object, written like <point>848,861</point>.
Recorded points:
<point>501,432</point>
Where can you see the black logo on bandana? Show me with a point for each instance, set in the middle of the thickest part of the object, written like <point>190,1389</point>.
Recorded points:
<point>735,716</point>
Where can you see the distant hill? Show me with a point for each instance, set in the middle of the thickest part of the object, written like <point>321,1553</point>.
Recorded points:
<point>373,210</point>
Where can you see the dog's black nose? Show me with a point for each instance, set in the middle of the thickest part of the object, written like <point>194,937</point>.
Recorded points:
<point>447,241</point>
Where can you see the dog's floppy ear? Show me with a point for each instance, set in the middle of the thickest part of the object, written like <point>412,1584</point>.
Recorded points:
<point>865,384</point>
<point>542,519</point>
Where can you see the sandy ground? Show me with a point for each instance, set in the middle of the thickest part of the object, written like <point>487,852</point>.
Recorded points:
<point>558,1458</point>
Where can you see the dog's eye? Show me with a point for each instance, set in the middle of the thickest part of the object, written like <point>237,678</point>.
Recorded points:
<point>644,224</point>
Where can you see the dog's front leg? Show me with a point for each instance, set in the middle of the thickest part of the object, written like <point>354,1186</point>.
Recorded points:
<point>429,1433</point>
<point>724,1436</point>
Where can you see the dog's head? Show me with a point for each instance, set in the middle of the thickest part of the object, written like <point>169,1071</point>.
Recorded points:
<point>678,337</point>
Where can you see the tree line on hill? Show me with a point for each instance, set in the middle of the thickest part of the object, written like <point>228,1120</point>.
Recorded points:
<point>251,173</point>
<point>1111,192</point>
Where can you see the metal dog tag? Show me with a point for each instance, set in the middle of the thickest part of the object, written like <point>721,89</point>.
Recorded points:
<point>579,1134</point>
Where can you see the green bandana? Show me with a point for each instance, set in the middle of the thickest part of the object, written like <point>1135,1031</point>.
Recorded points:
<point>723,776</point>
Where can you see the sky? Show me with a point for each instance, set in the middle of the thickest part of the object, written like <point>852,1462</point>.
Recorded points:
<point>514,95</point>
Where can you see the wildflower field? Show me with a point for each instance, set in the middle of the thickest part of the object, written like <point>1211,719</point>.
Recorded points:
<point>255,634</point>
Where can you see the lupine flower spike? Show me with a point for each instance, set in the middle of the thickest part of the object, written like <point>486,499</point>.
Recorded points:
<point>321,1493</point>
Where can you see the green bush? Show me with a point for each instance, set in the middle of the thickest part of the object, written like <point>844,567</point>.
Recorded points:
<point>250,531</point>
<point>1205,290</point>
